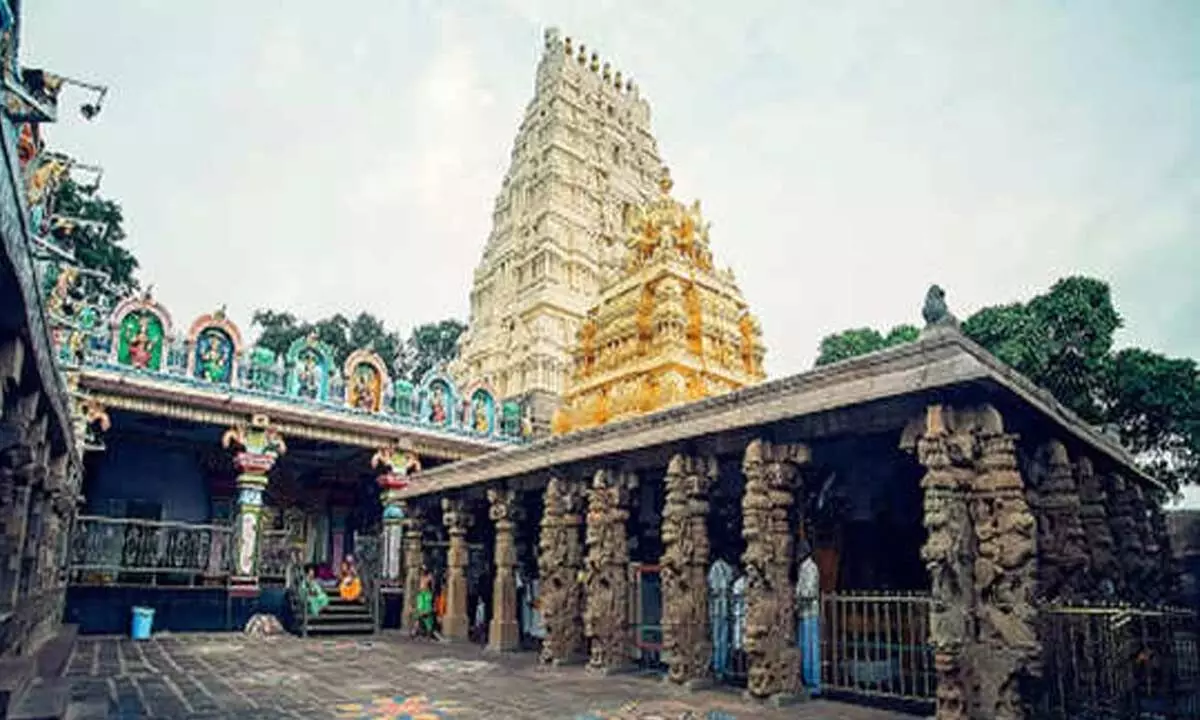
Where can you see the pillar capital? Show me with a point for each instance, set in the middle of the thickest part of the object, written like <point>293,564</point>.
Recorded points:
<point>395,464</point>
<point>455,516</point>
<point>256,444</point>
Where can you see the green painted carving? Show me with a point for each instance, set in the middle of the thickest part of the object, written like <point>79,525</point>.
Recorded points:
<point>141,340</point>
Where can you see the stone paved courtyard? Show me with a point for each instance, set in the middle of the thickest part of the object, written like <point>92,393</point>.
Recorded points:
<point>232,676</point>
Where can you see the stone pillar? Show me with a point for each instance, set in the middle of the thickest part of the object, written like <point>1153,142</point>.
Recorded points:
<point>1008,652</point>
<point>606,572</point>
<point>560,570</point>
<point>949,556</point>
<point>414,560</point>
<point>1152,570</point>
<point>455,625</point>
<point>1123,525</point>
<point>504,633</point>
<point>395,466</point>
<point>683,568</point>
<point>19,477</point>
<point>1061,542</point>
<point>256,446</point>
<point>1167,568</point>
<point>772,481</point>
<point>1104,569</point>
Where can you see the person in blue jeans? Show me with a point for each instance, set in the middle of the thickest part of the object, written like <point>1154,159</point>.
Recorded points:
<point>808,611</point>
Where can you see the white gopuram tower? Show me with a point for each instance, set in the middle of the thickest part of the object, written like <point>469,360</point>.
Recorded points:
<point>583,157</point>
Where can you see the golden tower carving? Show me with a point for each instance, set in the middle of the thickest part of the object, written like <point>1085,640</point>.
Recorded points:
<point>583,154</point>
<point>668,329</point>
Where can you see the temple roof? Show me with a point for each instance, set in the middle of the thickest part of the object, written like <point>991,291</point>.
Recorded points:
<point>919,371</point>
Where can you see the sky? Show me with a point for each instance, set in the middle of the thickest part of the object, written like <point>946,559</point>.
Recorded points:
<point>849,153</point>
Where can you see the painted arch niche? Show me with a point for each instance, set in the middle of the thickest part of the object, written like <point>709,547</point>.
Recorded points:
<point>438,399</point>
<point>366,378</point>
<point>215,344</point>
<point>482,411</point>
<point>310,364</point>
<point>140,327</point>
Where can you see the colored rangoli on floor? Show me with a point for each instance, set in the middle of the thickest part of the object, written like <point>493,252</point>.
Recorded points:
<point>397,707</point>
<point>654,711</point>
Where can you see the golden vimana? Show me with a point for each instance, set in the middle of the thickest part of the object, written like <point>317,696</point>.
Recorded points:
<point>668,329</point>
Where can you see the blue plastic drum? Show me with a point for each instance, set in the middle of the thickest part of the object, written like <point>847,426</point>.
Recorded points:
<point>143,622</point>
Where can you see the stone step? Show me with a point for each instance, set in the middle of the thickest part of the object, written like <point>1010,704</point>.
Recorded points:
<point>16,677</point>
<point>89,710</point>
<point>349,628</point>
<point>47,699</point>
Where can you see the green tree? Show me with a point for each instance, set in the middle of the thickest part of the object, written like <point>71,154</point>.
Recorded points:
<point>429,345</point>
<point>860,341</point>
<point>1062,340</point>
<point>97,242</point>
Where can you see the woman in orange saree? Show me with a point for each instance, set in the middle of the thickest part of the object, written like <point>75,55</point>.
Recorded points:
<point>349,584</point>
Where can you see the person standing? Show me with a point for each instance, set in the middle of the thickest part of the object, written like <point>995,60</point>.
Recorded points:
<point>808,609</point>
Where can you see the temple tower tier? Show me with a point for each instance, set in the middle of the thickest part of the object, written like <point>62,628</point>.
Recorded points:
<point>583,155</point>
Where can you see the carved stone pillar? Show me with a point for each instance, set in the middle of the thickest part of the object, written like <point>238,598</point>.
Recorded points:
<point>503,633</point>
<point>1152,569</point>
<point>257,446</point>
<point>606,574</point>
<point>1061,542</point>
<point>684,570</point>
<point>20,478</point>
<point>1008,652</point>
<point>1124,528</point>
<point>1167,568</point>
<point>455,625</point>
<point>414,560</point>
<point>560,567</point>
<point>772,481</point>
<point>1103,566</point>
<point>395,466</point>
<point>949,556</point>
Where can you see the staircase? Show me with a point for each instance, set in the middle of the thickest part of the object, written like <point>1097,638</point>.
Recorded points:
<point>342,618</point>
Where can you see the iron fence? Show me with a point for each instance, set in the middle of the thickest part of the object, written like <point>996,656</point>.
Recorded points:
<point>647,615</point>
<point>106,551</point>
<point>1118,662</point>
<point>876,645</point>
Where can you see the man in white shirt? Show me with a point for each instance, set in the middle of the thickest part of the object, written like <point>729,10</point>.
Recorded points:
<point>808,610</point>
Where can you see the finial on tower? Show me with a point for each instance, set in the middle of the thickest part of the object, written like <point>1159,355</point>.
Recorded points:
<point>665,183</point>
<point>582,56</point>
<point>595,64</point>
<point>607,72</point>
<point>617,83</point>
<point>569,49</point>
<point>552,38</point>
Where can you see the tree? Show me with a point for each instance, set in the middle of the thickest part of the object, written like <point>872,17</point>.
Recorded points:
<point>1062,340</point>
<point>428,345</point>
<point>860,341</point>
<point>97,242</point>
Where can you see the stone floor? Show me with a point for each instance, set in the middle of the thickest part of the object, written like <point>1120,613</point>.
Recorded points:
<point>231,676</point>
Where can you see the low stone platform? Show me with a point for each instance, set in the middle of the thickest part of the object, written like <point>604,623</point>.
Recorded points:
<point>388,676</point>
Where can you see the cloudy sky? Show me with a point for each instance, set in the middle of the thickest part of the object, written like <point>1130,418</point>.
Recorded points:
<point>849,153</point>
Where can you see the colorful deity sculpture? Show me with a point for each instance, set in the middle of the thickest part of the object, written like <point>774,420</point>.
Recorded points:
<point>311,366</point>
<point>482,425</point>
<point>366,376</point>
<point>437,406</point>
<point>140,325</point>
<point>215,342</point>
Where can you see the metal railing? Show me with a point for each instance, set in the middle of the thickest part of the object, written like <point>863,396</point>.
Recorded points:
<point>108,551</point>
<point>877,645</point>
<point>1119,662</point>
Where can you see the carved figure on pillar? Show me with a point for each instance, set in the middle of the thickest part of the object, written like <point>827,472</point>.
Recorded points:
<point>1123,525</point>
<point>948,554</point>
<point>504,633</point>
<point>456,519</point>
<point>414,559</point>
<point>256,446</point>
<point>560,567</point>
<point>1061,541</point>
<point>684,569</point>
<point>772,482</point>
<point>1009,653</point>
<point>1152,569</point>
<point>1104,570</point>
<point>395,466</point>
<point>606,573</point>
